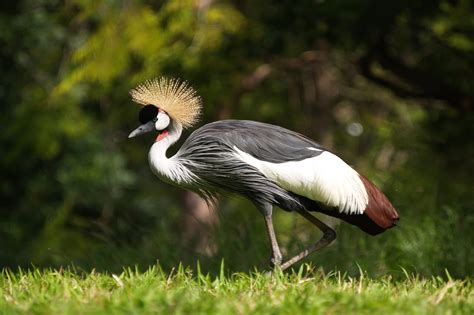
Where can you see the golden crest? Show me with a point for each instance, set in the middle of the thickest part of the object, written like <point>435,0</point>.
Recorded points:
<point>179,100</point>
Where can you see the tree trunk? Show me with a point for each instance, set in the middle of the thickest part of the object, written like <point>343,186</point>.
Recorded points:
<point>199,221</point>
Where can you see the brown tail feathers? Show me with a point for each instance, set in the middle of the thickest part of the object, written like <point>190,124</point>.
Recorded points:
<point>379,209</point>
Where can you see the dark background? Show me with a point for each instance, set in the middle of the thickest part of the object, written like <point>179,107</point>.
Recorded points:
<point>389,86</point>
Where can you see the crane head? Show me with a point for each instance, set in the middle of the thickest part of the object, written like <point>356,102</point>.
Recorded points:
<point>171,97</point>
<point>151,118</point>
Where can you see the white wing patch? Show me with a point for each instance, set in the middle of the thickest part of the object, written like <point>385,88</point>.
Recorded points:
<point>325,178</point>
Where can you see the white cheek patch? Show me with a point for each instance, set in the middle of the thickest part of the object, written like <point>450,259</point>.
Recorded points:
<point>324,178</point>
<point>163,121</point>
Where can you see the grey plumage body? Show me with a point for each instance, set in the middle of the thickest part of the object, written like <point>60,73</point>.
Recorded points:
<point>209,152</point>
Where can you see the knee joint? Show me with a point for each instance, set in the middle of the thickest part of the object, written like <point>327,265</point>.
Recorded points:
<point>329,235</point>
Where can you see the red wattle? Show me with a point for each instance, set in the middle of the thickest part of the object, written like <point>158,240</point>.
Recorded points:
<point>161,135</point>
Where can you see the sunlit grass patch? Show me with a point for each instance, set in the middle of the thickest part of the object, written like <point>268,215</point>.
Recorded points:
<point>183,291</point>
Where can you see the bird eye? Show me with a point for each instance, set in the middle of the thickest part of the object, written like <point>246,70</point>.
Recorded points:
<point>147,113</point>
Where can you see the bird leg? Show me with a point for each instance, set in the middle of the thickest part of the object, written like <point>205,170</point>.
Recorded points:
<point>276,258</point>
<point>329,235</point>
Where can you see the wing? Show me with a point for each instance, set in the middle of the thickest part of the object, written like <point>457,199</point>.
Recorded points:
<point>324,178</point>
<point>294,162</point>
<point>263,141</point>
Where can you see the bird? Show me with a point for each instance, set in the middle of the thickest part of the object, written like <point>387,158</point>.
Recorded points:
<point>269,165</point>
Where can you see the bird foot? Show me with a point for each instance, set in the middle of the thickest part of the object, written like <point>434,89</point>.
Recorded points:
<point>275,261</point>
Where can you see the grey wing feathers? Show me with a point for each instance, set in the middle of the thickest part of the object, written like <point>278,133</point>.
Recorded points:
<point>209,153</point>
<point>217,170</point>
<point>263,141</point>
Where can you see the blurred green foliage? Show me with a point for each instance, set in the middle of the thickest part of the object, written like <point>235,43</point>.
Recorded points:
<point>388,86</point>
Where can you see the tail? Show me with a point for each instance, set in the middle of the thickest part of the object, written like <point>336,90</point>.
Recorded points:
<point>378,216</point>
<point>379,209</point>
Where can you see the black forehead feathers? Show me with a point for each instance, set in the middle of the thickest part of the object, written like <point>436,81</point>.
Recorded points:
<point>147,113</point>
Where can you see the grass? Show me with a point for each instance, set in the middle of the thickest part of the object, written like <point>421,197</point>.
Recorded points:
<point>305,291</point>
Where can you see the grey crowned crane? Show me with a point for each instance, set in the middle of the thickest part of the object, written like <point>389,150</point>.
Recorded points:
<point>269,165</point>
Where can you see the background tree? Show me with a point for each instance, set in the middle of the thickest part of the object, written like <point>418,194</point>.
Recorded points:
<point>389,86</point>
